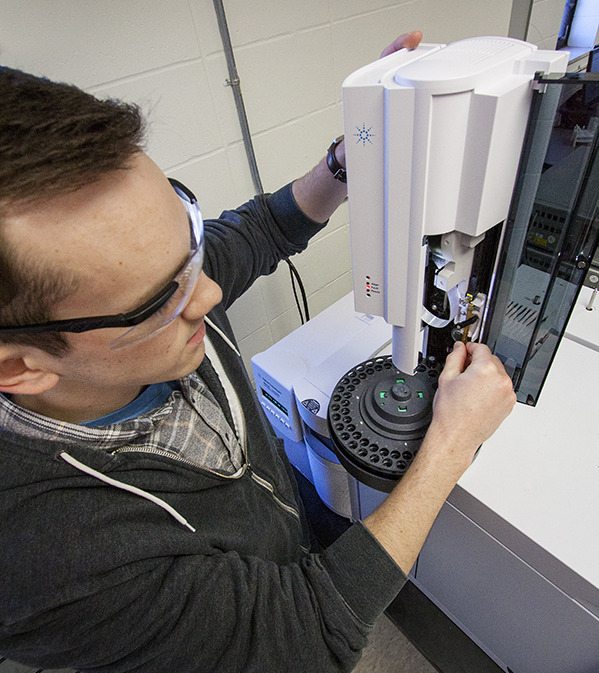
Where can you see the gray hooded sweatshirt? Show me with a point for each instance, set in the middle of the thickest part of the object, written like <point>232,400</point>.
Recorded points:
<point>122,552</point>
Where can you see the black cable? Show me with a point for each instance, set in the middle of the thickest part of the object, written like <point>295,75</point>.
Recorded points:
<point>293,287</point>
<point>295,276</point>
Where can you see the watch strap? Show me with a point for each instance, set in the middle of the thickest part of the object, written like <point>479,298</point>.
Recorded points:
<point>339,173</point>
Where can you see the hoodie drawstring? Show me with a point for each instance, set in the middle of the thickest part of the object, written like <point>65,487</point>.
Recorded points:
<point>126,487</point>
<point>237,417</point>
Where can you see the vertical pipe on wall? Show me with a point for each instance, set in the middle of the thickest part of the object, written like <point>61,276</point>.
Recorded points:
<point>520,19</point>
<point>235,84</point>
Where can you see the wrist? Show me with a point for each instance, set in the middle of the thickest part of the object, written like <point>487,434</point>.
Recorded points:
<point>445,453</point>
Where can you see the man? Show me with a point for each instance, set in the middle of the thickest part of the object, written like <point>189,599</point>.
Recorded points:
<point>148,517</point>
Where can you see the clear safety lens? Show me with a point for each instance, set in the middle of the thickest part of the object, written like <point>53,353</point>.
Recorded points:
<point>185,280</point>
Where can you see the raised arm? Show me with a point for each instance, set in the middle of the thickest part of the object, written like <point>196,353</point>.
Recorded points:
<point>318,193</point>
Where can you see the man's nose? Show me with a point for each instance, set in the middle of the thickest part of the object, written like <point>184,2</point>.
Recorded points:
<point>206,294</point>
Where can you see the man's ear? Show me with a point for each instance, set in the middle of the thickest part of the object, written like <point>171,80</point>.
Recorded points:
<point>21,373</point>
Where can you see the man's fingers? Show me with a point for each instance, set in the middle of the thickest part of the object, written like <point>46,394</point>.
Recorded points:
<point>455,362</point>
<point>405,41</point>
<point>480,353</point>
<point>477,351</point>
<point>412,40</point>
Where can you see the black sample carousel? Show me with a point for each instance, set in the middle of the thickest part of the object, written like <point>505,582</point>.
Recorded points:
<point>378,417</point>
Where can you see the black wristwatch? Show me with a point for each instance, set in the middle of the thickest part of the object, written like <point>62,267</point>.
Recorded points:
<point>339,173</point>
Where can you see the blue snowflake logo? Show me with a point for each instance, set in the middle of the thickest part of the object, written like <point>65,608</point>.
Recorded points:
<point>364,135</point>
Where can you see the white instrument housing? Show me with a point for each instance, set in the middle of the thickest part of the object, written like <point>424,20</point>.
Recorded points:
<point>433,141</point>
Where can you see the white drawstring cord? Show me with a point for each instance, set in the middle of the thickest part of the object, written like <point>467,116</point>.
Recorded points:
<point>126,487</point>
<point>223,335</point>
<point>138,491</point>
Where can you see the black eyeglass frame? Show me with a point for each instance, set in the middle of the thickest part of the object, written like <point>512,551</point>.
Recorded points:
<point>130,319</point>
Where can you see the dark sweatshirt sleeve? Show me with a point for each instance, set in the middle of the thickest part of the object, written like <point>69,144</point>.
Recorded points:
<point>118,600</point>
<point>241,615</point>
<point>103,581</point>
<point>224,612</point>
<point>249,242</point>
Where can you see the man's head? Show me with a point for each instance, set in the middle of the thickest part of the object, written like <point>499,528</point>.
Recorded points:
<point>103,241</point>
<point>54,139</point>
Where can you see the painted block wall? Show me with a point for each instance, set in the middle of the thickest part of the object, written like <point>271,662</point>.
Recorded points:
<point>292,58</point>
<point>545,21</point>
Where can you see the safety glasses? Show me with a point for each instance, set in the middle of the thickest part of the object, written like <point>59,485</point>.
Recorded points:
<point>157,313</point>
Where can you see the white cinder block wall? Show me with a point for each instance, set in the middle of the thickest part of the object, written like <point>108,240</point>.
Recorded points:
<point>292,58</point>
<point>545,21</point>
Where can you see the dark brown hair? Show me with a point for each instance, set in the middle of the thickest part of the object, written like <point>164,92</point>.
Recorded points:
<point>54,139</point>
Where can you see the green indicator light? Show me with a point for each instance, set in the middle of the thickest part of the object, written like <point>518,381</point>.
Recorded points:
<point>401,409</point>
<point>421,395</point>
<point>400,381</point>
<point>383,395</point>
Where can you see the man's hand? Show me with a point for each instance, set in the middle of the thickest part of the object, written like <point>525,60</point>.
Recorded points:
<point>474,396</point>
<point>405,41</point>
